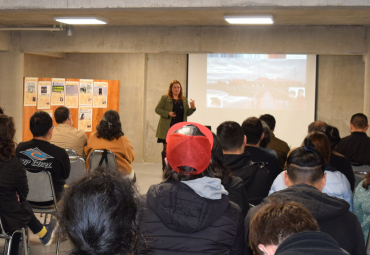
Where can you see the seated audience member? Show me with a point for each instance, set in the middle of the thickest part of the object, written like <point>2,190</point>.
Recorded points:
<point>14,210</point>
<point>279,146</point>
<point>318,125</point>
<point>106,221</point>
<point>39,154</point>
<point>338,161</point>
<point>109,136</point>
<point>305,178</point>
<point>336,184</point>
<point>253,130</point>
<point>285,227</point>
<point>356,146</point>
<point>266,139</point>
<point>361,204</point>
<point>257,181</point>
<point>233,184</point>
<point>65,135</point>
<point>190,212</point>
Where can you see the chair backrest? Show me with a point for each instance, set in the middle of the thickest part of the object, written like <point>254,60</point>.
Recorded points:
<point>78,169</point>
<point>363,169</point>
<point>71,152</point>
<point>41,187</point>
<point>95,157</point>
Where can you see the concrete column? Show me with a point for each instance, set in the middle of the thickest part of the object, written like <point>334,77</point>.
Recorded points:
<point>11,84</point>
<point>367,76</point>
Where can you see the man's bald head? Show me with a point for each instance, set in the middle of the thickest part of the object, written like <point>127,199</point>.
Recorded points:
<point>317,126</point>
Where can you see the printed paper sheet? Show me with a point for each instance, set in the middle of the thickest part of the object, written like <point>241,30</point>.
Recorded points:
<point>30,91</point>
<point>57,91</point>
<point>72,94</point>
<point>85,118</point>
<point>43,98</point>
<point>86,92</point>
<point>100,94</point>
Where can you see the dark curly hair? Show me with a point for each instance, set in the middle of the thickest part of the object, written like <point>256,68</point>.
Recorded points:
<point>7,132</point>
<point>99,214</point>
<point>110,126</point>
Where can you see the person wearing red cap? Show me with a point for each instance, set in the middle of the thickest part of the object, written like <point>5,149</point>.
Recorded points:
<point>190,212</point>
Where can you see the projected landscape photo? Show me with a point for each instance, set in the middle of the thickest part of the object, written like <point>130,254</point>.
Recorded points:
<point>256,81</point>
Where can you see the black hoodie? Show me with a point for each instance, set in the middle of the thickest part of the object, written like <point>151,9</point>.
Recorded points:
<point>257,181</point>
<point>331,213</point>
<point>176,220</point>
<point>310,243</point>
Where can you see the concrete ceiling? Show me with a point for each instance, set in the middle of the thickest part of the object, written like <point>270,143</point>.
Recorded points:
<point>190,17</point>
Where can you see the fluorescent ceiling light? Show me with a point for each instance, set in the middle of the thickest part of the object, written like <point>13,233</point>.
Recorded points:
<point>251,20</point>
<point>81,20</point>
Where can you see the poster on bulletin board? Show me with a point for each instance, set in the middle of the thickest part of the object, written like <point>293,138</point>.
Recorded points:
<point>85,118</point>
<point>71,100</point>
<point>30,91</point>
<point>100,94</point>
<point>86,92</point>
<point>43,97</point>
<point>57,91</point>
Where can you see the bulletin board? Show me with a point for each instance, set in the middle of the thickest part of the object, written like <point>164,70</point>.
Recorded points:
<point>32,99</point>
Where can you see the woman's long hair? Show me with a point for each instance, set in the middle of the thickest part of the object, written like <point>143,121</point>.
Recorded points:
<point>7,132</point>
<point>169,92</point>
<point>110,126</point>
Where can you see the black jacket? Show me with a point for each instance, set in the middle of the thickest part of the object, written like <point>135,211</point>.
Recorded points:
<point>331,213</point>
<point>176,220</point>
<point>343,165</point>
<point>41,155</point>
<point>258,155</point>
<point>13,179</point>
<point>257,181</point>
<point>356,147</point>
<point>310,243</point>
<point>237,193</point>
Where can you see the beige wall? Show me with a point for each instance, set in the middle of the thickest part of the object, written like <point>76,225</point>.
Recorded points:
<point>341,90</point>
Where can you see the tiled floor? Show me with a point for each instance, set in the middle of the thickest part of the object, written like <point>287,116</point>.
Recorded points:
<point>146,174</point>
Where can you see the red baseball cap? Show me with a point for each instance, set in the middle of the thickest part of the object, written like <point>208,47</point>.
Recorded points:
<point>189,144</point>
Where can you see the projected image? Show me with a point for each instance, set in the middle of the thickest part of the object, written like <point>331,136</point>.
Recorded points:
<point>256,81</point>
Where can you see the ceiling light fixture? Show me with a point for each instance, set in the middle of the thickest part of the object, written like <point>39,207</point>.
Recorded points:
<point>82,20</point>
<point>250,20</point>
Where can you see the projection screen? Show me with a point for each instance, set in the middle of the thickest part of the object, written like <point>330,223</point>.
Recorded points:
<point>237,86</point>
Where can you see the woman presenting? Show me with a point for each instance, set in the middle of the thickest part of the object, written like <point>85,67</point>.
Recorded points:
<point>172,108</point>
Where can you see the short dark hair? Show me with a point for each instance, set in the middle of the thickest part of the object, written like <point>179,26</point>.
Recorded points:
<point>252,128</point>
<point>359,120</point>
<point>267,135</point>
<point>110,126</point>
<point>61,114</point>
<point>270,121</point>
<point>1,110</point>
<point>106,221</point>
<point>40,123</point>
<point>317,126</point>
<point>333,135</point>
<point>305,164</point>
<point>278,220</point>
<point>231,135</point>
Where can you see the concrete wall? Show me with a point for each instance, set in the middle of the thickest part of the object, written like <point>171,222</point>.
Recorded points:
<point>341,90</point>
<point>143,77</point>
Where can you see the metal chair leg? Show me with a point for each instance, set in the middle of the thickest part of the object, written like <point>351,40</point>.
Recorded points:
<point>9,244</point>
<point>58,244</point>
<point>24,237</point>
<point>5,247</point>
<point>46,217</point>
